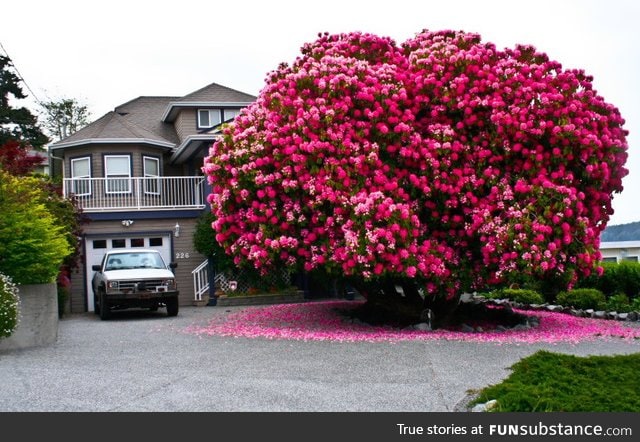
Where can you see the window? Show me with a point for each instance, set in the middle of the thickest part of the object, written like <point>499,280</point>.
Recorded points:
<point>81,176</point>
<point>137,242</point>
<point>155,242</point>
<point>610,259</point>
<point>208,118</point>
<point>118,243</point>
<point>99,243</point>
<point>117,171</point>
<point>630,258</point>
<point>151,173</point>
<point>230,114</point>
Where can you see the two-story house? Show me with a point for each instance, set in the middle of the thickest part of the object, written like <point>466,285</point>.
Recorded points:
<point>136,173</point>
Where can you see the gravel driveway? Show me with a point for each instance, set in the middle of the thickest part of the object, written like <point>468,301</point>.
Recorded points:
<point>142,361</point>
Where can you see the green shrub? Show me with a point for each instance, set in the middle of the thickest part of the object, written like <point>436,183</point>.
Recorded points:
<point>32,244</point>
<point>618,303</point>
<point>627,276</point>
<point>553,382</point>
<point>582,299</point>
<point>9,306</point>
<point>524,296</point>
<point>616,278</point>
<point>204,241</point>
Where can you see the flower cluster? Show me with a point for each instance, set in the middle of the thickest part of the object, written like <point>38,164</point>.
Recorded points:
<point>442,159</point>
<point>322,321</point>
<point>9,306</point>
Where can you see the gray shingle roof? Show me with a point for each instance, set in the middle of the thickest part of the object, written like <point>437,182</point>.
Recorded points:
<point>622,232</point>
<point>112,126</point>
<point>143,118</point>
<point>147,112</point>
<point>218,93</point>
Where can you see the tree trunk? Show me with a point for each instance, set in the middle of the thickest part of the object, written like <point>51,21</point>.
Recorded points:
<point>398,302</point>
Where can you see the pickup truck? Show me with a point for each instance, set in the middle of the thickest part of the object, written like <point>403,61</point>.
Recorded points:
<point>130,278</point>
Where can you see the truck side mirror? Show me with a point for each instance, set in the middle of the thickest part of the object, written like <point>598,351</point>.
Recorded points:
<point>96,267</point>
<point>173,265</point>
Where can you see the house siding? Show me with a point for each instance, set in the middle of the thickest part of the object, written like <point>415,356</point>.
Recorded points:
<point>621,250</point>
<point>186,124</point>
<point>136,152</point>
<point>182,252</point>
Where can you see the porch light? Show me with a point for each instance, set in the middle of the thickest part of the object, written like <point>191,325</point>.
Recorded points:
<point>176,231</point>
<point>127,222</point>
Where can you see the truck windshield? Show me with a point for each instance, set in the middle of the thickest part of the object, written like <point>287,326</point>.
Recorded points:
<point>134,260</point>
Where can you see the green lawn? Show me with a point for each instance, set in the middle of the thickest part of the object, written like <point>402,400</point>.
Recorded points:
<point>548,381</point>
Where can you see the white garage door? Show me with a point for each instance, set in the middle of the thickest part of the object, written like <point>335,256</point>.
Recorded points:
<point>96,247</point>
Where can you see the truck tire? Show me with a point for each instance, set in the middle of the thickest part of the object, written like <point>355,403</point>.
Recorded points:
<point>172,307</point>
<point>105,311</point>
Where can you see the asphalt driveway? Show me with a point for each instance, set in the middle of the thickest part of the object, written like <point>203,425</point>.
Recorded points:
<point>142,361</point>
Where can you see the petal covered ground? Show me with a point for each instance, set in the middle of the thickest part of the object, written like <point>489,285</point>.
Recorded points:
<point>326,321</point>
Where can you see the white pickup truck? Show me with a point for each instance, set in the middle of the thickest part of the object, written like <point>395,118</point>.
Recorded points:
<point>129,278</point>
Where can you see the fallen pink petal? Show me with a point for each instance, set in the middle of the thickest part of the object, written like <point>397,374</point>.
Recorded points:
<point>326,321</point>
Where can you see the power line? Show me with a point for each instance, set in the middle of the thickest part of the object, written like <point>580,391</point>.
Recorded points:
<point>20,77</point>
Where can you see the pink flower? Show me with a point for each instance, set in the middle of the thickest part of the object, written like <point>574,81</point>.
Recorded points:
<point>321,321</point>
<point>432,159</point>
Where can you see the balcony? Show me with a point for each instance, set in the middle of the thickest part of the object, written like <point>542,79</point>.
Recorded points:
<point>129,194</point>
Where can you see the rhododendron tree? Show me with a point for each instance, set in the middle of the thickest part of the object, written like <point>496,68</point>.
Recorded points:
<point>419,170</point>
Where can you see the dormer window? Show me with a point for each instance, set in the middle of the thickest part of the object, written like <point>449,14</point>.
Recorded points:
<point>208,118</point>
<point>230,114</point>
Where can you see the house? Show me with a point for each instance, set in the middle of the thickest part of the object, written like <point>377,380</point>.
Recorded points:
<point>136,173</point>
<point>621,243</point>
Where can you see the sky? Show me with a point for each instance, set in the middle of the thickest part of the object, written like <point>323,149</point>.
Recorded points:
<point>106,53</point>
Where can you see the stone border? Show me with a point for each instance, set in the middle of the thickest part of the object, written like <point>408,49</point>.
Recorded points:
<point>588,313</point>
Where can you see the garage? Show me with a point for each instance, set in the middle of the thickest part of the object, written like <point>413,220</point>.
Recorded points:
<point>97,245</point>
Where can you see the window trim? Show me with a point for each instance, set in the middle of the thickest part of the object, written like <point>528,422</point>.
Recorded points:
<point>236,112</point>
<point>148,178</point>
<point>209,111</point>
<point>109,178</point>
<point>80,177</point>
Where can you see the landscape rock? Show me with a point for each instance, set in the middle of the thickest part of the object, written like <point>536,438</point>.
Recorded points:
<point>422,326</point>
<point>492,404</point>
<point>466,328</point>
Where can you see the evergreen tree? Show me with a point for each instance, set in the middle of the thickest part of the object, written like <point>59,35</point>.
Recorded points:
<point>16,123</point>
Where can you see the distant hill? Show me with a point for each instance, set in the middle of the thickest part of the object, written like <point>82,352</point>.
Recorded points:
<point>622,232</point>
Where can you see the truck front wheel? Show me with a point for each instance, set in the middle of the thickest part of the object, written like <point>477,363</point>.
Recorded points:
<point>105,311</point>
<point>172,307</point>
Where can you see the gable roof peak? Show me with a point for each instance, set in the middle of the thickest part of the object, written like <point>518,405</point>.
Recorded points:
<point>217,93</point>
<point>212,94</point>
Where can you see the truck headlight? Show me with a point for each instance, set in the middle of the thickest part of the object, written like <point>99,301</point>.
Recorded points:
<point>113,285</point>
<point>170,283</point>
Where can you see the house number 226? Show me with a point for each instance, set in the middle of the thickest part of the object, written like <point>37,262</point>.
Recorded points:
<point>182,255</point>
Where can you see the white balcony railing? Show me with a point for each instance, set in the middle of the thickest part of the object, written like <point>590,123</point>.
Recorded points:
<point>126,194</point>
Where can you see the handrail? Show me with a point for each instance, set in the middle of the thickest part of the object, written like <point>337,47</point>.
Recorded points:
<point>200,280</point>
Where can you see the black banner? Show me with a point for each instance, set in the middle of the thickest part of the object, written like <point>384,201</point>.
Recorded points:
<point>282,427</point>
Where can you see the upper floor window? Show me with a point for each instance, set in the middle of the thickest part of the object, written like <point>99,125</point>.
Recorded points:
<point>230,114</point>
<point>151,167</point>
<point>209,118</point>
<point>81,176</point>
<point>117,171</point>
